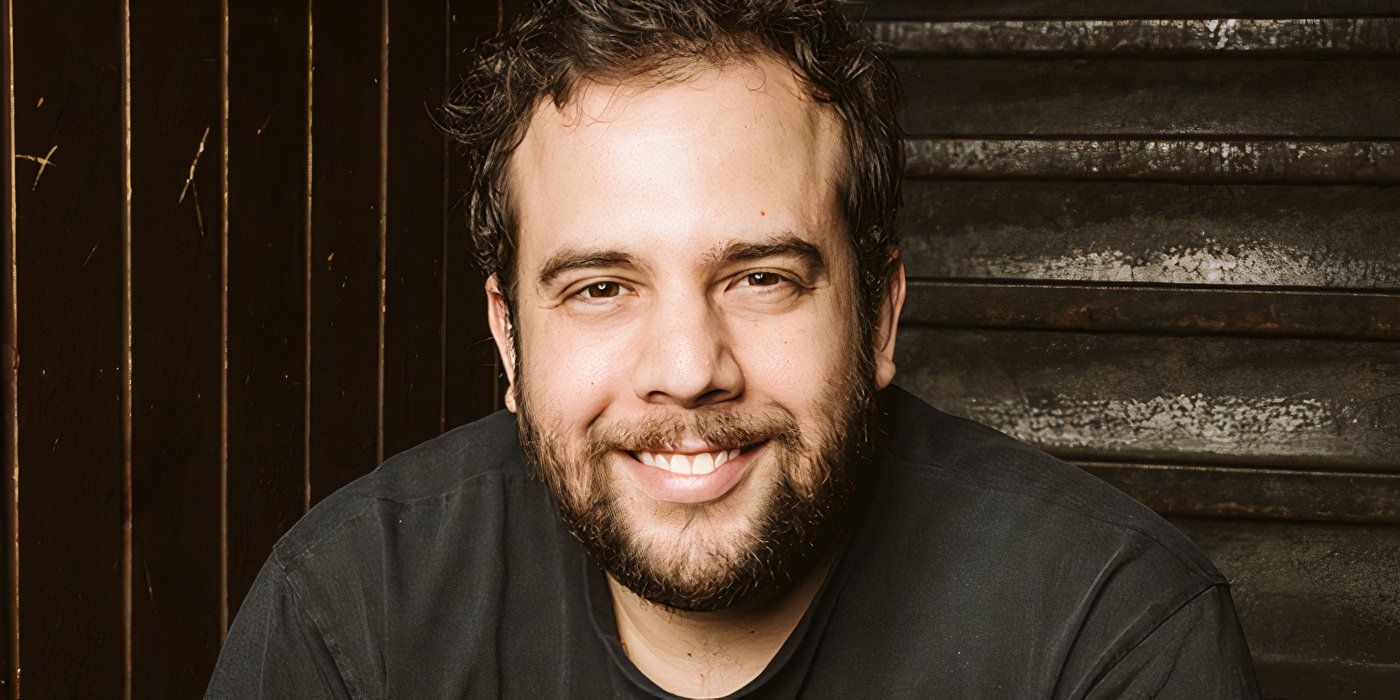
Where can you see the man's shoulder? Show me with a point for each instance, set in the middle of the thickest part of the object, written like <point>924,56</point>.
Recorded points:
<point>425,476</point>
<point>996,479</point>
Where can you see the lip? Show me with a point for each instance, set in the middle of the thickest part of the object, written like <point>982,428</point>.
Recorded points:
<point>662,485</point>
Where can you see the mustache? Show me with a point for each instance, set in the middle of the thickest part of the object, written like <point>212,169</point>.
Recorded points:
<point>724,428</point>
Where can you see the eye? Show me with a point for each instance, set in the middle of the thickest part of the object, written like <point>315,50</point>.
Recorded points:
<point>601,290</point>
<point>762,279</point>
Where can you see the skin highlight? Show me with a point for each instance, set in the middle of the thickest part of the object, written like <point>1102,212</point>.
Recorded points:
<point>682,260</point>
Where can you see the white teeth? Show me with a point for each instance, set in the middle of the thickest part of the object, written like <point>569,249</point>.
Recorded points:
<point>698,464</point>
<point>680,464</point>
<point>702,464</point>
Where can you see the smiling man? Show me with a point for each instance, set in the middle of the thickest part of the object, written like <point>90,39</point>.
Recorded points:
<point>709,485</point>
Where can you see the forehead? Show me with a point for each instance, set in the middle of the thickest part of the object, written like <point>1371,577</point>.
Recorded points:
<point>737,151</point>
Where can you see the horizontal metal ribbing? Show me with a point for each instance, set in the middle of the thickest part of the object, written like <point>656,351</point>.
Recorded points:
<point>1089,37</point>
<point>1352,162</point>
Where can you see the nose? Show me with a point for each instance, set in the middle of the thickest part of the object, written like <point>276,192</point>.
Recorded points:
<point>684,358</point>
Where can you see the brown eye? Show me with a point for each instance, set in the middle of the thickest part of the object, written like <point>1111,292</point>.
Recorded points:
<point>602,290</point>
<point>762,279</point>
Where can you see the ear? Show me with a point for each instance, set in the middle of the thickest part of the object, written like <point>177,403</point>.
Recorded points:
<point>888,325</point>
<point>498,315</point>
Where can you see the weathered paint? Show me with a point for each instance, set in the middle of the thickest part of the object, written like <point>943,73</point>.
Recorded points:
<point>1133,37</point>
<point>1337,237</point>
<point>1376,162</point>
<point>1180,399</point>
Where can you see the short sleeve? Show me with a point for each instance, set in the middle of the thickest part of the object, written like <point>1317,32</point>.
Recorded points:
<point>1199,651</point>
<point>274,649</point>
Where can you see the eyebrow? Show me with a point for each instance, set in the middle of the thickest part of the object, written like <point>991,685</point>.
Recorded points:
<point>783,245</point>
<point>570,260</point>
<point>787,245</point>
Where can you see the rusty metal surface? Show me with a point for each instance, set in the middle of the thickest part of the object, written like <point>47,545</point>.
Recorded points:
<point>1167,160</point>
<point>982,9</point>
<point>1311,593</point>
<point>1353,36</point>
<point>1181,399</point>
<point>1204,97</point>
<point>1153,309</point>
<point>1257,493</point>
<point>1269,235</point>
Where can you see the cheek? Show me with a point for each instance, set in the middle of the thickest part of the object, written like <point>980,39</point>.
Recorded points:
<point>794,359</point>
<point>568,376</point>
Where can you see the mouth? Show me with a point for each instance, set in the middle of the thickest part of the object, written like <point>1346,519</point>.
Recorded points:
<point>693,476</point>
<point>692,464</point>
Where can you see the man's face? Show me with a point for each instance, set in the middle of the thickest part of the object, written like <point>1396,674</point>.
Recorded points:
<point>691,379</point>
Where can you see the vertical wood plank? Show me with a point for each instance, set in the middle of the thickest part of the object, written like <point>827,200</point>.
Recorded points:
<point>346,239</point>
<point>268,160</point>
<point>470,365</point>
<point>416,171</point>
<point>176,215</point>
<point>69,249</point>
<point>9,361</point>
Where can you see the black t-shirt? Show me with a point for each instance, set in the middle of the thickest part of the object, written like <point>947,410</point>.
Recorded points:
<point>981,567</point>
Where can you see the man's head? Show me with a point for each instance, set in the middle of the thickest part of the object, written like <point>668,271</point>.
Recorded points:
<point>685,209</point>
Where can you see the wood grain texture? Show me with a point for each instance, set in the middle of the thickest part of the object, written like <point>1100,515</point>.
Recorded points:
<point>267,227</point>
<point>1312,596</point>
<point>176,213</point>
<point>68,112</point>
<point>1172,98</point>
<point>1257,492</point>
<point>1132,9</point>
<point>1154,233</point>
<point>9,363</point>
<point>470,362</point>
<point>345,222</point>
<point>417,170</point>
<point>1155,38</point>
<point>1192,399</point>
<point>1159,309</point>
<point>1223,161</point>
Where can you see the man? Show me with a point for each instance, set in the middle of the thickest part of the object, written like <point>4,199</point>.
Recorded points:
<point>710,486</point>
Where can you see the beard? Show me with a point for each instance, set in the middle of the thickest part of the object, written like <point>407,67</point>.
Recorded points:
<point>735,550</point>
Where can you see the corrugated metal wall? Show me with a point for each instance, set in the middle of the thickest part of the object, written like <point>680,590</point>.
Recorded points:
<point>1153,236</point>
<point>1161,239</point>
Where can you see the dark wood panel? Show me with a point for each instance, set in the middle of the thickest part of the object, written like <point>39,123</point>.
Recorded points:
<point>347,152</point>
<point>1154,38</point>
<point>9,364</point>
<point>70,256</point>
<point>1187,399</point>
<point>1176,160</point>
<point>1257,493</point>
<point>267,258</point>
<point>416,210</point>
<point>176,365</point>
<point>469,363</point>
<point>977,9</point>
<point>1310,596</point>
<point>1336,237</point>
<point>1153,309</point>
<point>1316,99</point>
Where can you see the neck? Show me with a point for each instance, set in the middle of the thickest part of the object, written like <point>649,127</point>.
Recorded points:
<point>710,654</point>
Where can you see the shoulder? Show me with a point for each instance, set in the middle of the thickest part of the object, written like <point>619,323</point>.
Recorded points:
<point>1017,490</point>
<point>425,477</point>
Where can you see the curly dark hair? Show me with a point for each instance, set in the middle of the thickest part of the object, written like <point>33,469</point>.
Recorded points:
<point>557,45</point>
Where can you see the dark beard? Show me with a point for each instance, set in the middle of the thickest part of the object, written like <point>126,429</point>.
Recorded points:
<point>805,511</point>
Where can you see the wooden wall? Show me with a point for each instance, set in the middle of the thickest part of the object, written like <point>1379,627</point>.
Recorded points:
<point>235,277</point>
<point>1161,239</point>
